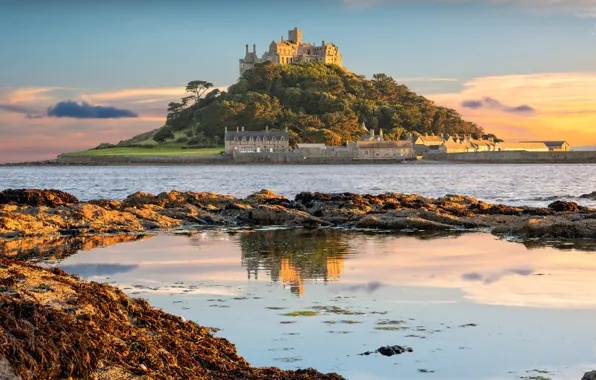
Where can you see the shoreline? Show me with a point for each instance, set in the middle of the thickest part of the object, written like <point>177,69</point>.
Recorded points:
<point>29,213</point>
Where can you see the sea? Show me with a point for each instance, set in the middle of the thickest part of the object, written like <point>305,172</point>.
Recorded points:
<point>532,185</point>
<point>469,305</point>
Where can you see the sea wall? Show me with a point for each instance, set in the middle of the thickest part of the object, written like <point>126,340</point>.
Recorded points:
<point>145,160</point>
<point>520,157</point>
<point>337,158</point>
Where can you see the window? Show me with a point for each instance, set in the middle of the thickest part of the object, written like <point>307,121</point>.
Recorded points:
<point>264,139</point>
<point>251,139</point>
<point>283,139</point>
<point>273,139</point>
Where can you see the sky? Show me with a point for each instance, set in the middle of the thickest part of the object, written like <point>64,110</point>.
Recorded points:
<point>74,74</point>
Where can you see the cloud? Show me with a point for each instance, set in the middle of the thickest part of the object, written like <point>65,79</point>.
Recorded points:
<point>15,108</point>
<point>579,8</point>
<point>561,106</point>
<point>489,102</point>
<point>85,110</point>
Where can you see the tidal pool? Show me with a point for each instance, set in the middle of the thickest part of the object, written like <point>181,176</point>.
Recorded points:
<point>470,306</point>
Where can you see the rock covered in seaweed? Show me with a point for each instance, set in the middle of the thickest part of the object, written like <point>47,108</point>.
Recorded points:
<point>53,325</point>
<point>32,197</point>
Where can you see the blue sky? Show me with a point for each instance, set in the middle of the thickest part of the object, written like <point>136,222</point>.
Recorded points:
<point>76,48</point>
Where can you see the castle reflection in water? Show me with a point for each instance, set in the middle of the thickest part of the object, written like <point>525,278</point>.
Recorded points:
<point>292,257</point>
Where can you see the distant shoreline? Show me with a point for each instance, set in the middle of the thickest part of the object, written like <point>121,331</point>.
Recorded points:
<point>501,158</point>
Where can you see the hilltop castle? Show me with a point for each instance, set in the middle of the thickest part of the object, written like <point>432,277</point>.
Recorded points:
<point>292,50</point>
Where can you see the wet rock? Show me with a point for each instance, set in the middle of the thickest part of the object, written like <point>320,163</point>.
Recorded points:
<point>591,195</point>
<point>564,206</point>
<point>267,197</point>
<point>31,197</point>
<point>589,376</point>
<point>389,350</point>
<point>400,222</point>
<point>107,204</point>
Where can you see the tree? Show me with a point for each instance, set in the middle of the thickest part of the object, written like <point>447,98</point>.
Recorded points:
<point>165,133</point>
<point>197,88</point>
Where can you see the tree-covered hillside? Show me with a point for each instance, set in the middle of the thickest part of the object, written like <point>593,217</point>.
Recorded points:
<point>317,102</point>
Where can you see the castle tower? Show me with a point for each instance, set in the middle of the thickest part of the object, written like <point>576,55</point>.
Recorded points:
<point>295,35</point>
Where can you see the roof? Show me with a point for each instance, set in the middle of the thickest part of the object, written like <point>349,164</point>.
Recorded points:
<point>431,138</point>
<point>248,134</point>
<point>523,145</point>
<point>483,142</point>
<point>312,146</point>
<point>550,143</point>
<point>457,145</point>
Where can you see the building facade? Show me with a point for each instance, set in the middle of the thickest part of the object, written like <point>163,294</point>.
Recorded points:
<point>522,146</point>
<point>267,141</point>
<point>555,146</point>
<point>292,50</point>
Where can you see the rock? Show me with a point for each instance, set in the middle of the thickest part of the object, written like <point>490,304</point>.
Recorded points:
<point>562,206</point>
<point>107,204</point>
<point>26,197</point>
<point>591,195</point>
<point>267,197</point>
<point>399,222</point>
<point>589,376</point>
<point>389,350</point>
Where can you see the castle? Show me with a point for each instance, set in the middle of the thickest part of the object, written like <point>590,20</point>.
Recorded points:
<point>292,50</point>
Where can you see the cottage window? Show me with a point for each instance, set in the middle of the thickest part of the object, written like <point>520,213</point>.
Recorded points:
<point>251,139</point>
<point>264,139</point>
<point>273,139</point>
<point>283,139</point>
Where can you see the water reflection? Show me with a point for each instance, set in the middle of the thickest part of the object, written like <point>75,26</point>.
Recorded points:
<point>59,248</point>
<point>292,257</point>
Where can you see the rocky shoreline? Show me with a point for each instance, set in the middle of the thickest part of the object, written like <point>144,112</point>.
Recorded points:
<point>56,326</point>
<point>27,213</point>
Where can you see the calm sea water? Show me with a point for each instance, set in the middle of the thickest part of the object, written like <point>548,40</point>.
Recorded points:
<point>509,184</point>
<point>470,306</point>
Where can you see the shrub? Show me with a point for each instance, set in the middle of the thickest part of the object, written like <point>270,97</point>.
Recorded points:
<point>182,139</point>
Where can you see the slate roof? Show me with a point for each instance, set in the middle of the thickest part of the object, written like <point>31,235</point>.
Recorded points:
<point>312,146</point>
<point>553,144</point>
<point>254,134</point>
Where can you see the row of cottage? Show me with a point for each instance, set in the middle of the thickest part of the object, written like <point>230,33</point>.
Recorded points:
<point>373,146</point>
<point>465,143</point>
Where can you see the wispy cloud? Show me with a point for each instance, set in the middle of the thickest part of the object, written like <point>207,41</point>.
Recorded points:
<point>579,8</point>
<point>562,103</point>
<point>488,102</point>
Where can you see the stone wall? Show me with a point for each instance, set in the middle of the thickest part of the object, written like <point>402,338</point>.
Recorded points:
<point>144,160</point>
<point>325,158</point>
<point>519,157</point>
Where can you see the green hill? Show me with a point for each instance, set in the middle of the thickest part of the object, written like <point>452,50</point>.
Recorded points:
<point>317,102</point>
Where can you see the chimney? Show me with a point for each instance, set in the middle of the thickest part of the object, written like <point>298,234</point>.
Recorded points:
<point>372,133</point>
<point>324,43</point>
<point>381,133</point>
<point>236,129</point>
<point>286,129</point>
<point>246,48</point>
<point>282,38</point>
<point>226,132</point>
<point>242,129</point>
<point>266,129</point>
<point>254,48</point>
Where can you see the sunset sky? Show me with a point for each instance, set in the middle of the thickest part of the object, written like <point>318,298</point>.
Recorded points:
<point>74,74</point>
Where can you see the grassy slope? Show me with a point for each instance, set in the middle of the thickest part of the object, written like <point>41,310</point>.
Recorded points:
<point>162,151</point>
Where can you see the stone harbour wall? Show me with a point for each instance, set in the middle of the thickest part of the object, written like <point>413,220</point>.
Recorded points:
<point>521,157</point>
